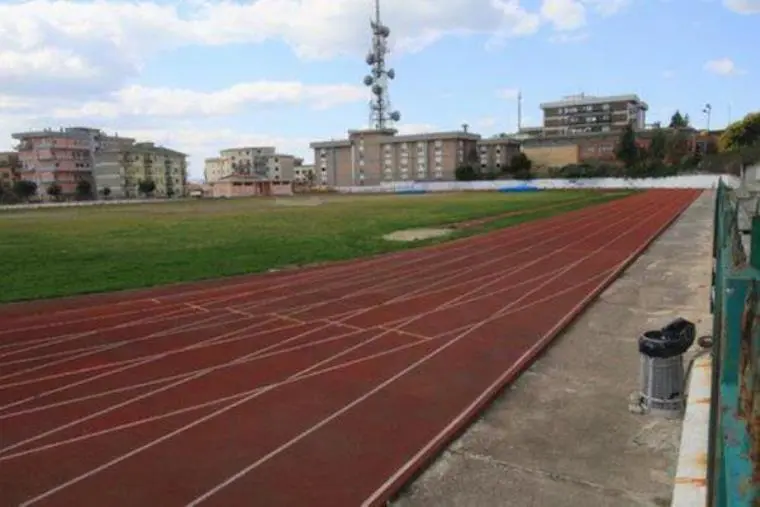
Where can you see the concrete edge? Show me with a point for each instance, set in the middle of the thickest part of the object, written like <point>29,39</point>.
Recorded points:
<point>690,489</point>
<point>395,484</point>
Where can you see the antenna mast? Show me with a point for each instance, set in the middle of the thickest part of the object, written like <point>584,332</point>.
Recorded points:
<point>519,110</point>
<point>381,115</point>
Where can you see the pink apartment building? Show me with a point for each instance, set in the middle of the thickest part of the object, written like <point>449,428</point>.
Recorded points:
<point>62,157</point>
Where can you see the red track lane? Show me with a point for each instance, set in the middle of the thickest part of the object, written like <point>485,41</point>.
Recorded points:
<point>328,386</point>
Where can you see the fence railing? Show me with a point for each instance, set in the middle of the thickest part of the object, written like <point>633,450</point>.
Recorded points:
<point>734,447</point>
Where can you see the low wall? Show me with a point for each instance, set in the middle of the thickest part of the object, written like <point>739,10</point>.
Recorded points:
<point>74,204</point>
<point>705,181</point>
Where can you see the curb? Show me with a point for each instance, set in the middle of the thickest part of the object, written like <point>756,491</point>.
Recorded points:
<point>690,488</point>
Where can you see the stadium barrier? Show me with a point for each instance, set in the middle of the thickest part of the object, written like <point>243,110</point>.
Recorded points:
<point>732,465</point>
<point>705,181</point>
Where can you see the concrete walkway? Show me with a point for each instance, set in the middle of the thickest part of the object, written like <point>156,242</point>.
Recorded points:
<point>563,435</point>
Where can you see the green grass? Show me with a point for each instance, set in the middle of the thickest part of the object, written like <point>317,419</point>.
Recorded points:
<point>65,251</point>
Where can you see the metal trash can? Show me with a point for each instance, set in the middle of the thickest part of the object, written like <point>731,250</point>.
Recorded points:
<point>662,370</point>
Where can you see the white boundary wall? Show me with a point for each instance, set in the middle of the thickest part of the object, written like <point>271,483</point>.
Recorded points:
<point>705,181</point>
<point>76,204</point>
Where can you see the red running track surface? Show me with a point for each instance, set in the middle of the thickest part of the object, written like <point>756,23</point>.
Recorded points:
<point>328,386</point>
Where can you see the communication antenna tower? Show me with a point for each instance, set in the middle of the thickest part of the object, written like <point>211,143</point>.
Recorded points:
<point>381,114</point>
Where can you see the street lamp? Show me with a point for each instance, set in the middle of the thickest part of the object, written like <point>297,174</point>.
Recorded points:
<point>708,112</point>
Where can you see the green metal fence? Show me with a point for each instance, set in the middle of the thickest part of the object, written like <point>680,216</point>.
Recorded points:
<point>734,451</point>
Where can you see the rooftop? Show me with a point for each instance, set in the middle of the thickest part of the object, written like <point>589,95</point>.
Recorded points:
<point>390,137</point>
<point>583,99</point>
<point>148,147</point>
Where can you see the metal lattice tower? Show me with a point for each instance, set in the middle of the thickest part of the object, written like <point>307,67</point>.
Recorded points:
<point>381,115</point>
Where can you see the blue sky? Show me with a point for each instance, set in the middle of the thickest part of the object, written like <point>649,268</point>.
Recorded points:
<point>200,76</point>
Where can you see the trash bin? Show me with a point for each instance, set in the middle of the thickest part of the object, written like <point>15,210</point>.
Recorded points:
<point>662,369</point>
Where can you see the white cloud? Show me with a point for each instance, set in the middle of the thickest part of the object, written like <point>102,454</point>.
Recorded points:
<point>54,62</point>
<point>723,67</point>
<point>172,102</point>
<point>743,6</point>
<point>564,15</point>
<point>80,60</point>
<point>91,39</point>
<point>668,74</point>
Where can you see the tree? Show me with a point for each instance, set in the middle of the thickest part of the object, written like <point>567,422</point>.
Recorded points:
<point>146,187</point>
<point>741,134</point>
<point>679,121</point>
<point>677,148</point>
<point>520,166</point>
<point>84,189</point>
<point>465,173</point>
<point>310,178</point>
<point>54,191</point>
<point>473,159</point>
<point>658,149</point>
<point>106,192</point>
<point>25,189</point>
<point>627,150</point>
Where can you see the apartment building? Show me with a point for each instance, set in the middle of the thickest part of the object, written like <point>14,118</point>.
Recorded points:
<point>374,156</point>
<point>166,168</point>
<point>109,166</point>
<point>9,167</point>
<point>63,157</point>
<point>496,153</point>
<point>585,114</point>
<point>305,173</point>
<point>260,161</point>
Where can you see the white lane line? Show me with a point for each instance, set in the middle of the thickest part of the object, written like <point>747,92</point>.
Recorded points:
<point>498,279</point>
<point>294,379</point>
<point>217,401</point>
<point>411,463</point>
<point>381,386</point>
<point>118,370</point>
<point>238,403</point>
<point>204,372</point>
<point>431,271</point>
<point>399,323</point>
<point>67,337</point>
<point>183,328</point>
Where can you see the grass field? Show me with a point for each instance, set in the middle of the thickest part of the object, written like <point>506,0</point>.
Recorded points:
<point>65,251</point>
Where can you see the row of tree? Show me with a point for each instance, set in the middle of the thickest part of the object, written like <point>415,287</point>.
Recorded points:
<point>25,190</point>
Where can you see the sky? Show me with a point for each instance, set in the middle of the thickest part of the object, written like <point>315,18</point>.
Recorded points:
<point>200,76</point>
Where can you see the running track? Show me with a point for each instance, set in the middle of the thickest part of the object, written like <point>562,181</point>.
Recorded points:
<point>327,386</point>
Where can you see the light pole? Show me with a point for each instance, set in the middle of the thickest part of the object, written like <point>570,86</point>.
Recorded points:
<point>708,112</point>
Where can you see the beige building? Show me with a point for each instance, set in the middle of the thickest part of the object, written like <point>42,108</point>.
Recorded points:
<point>249,185</point>
<point>166,168</point>
<point>370,157</point>
<point>496,153</point>
<point>304,173</point>
<point>262,161</point>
